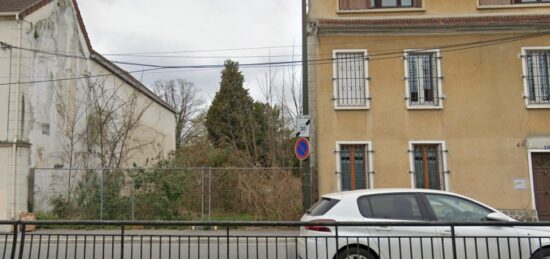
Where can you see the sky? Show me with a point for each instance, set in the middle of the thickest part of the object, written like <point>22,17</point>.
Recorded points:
<point>197,31</point>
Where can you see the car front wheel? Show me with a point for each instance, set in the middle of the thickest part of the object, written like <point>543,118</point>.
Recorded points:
<point>542,254</point>
<point>356,253</point>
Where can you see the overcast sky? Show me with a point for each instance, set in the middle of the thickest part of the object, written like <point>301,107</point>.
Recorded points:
<point>144,26</point>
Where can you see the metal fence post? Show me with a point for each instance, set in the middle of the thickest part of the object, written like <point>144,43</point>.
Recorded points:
<point>101,194</point>
<point>337,237</point>
<point>227,245</point>
<point>22,243</point>
<point>202,193</point>
<point>133,197</point>
<point>453,239</point>
<point>14,244</point>
<point>210,194</point>
<point>121,241</point>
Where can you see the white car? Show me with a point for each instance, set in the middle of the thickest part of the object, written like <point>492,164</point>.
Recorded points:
<point>415,206</point>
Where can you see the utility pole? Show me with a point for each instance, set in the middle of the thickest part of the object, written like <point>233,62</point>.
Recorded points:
<point>306,165</point>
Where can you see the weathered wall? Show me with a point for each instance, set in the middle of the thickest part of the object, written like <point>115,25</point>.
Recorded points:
<point>54,29</point>
<point>484,122</point>
<point>8,33</point>
<point>327,9</point>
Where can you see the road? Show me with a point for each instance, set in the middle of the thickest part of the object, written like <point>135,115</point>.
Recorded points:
<point>156,244</point>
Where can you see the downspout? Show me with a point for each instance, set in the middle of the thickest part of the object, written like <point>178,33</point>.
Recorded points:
<point>16,133</point>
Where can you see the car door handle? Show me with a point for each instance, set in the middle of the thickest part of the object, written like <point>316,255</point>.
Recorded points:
<point>383,229</point>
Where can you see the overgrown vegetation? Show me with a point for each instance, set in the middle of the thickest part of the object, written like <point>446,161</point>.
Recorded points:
<point>248,143</point>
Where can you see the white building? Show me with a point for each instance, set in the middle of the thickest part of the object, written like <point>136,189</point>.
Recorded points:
<point>55,90</point>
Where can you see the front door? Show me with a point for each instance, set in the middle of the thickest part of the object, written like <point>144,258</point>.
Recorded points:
<point>541,182</point>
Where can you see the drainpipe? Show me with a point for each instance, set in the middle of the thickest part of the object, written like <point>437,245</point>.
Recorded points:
<point>16,133</point>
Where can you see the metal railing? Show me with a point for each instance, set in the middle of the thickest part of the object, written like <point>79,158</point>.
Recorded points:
<point>127,239</point>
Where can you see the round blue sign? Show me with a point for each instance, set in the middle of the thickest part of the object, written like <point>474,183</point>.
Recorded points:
<point>302,149</point>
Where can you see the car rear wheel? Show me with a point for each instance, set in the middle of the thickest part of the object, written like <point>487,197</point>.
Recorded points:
<point>354,253</point>
<point>542,254</point>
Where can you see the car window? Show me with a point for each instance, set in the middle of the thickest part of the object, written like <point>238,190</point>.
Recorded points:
<point>322,207</point>
<point>390,206</point>
<point>454,209</point>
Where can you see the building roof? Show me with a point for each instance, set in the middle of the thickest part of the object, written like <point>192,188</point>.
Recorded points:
<point>26,7</point>
<point>7,6</point>
<point>128,78</point>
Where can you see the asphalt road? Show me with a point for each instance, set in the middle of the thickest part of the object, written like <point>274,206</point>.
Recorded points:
<point>147,244</point>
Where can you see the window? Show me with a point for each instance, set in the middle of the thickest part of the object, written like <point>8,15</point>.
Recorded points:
<point>377,4</point>
<point>530,1</point>
<point>403,206</point>
<point>354,166</point>
<point>423,79</point>
<point>46,128</point>
<point>322,207</point>
<point>390,3</point>
<point>510,2</point>
<point>350,79</point>
<point>537,79</point>
<point>453,209</point>
<point>428,166</point>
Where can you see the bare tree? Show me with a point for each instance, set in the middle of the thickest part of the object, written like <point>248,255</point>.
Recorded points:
<point>182,95</point>
<point>71,113</point>
<point>114,117</point>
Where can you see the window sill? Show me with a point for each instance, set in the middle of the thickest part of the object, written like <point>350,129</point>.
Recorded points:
<point>538,106</point>
<point>382,10</point>
<point>512,6</point>
<point>425,107</point>
<point>351,108</point>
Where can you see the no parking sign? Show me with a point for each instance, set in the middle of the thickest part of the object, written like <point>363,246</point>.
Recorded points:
<point>302,149</point>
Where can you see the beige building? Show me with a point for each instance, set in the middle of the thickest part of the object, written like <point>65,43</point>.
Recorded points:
<point>441,94</point>
<point>54,89</point>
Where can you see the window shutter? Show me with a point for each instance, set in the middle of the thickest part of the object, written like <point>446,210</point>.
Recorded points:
<point>344,5</point>
<point>417,3</point>
<point>358,4</point>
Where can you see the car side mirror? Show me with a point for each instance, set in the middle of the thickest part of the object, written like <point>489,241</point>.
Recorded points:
<point>497,217</point>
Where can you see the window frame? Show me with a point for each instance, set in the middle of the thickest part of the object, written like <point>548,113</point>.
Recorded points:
<point>369,160</point>
<point>516,2</point>
<point>526,96</point>
<point>440,94</point>
<point>444,166</point>
<point>378,4</point>
<point>335,81</point>
<point>416,5</point>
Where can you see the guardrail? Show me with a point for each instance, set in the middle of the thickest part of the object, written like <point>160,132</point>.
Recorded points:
<point>372,240</point>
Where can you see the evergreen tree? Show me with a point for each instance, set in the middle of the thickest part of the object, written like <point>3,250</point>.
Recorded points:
<point>229,119</point>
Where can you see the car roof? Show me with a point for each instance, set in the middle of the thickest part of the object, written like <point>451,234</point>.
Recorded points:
<point>358,193</point>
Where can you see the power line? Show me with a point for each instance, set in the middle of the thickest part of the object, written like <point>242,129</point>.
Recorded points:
<point>196,51</point>
<point>372,56</point>
<point>81,77</point>
<point>376,56</point>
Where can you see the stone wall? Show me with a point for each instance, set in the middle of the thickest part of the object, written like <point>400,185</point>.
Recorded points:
<point>522,215</point>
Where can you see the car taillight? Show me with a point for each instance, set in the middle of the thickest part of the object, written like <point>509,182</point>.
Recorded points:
<point>320,228</point>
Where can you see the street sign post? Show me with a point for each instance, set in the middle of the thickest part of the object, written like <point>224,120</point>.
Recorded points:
<point>302,149</point>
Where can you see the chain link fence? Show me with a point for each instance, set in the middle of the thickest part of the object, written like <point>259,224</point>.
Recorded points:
<point>204,193</point>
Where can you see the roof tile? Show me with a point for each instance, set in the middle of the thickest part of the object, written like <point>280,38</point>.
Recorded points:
<point>15,5</point>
